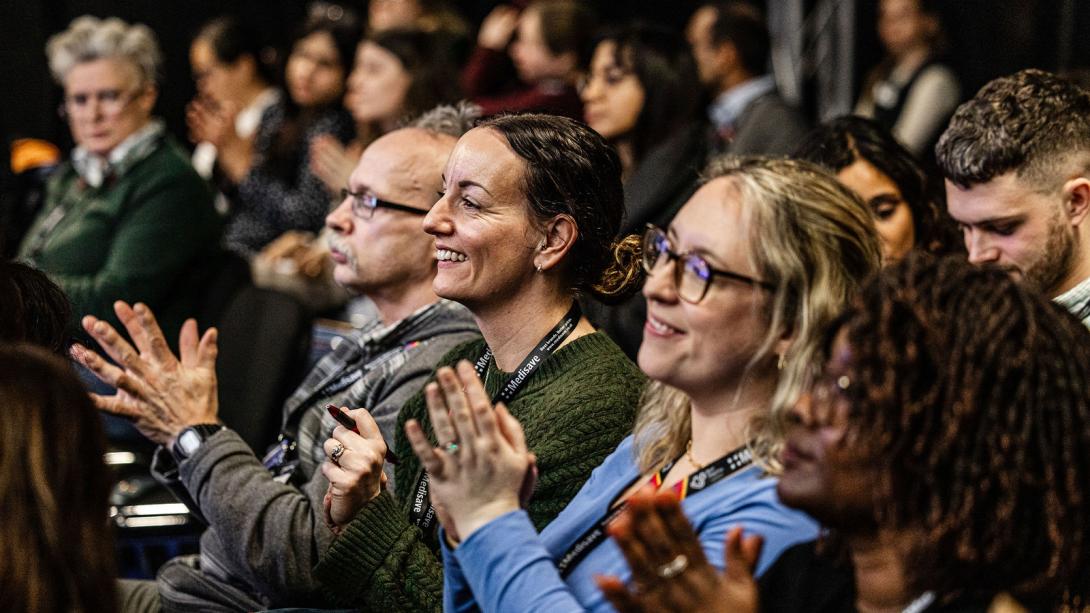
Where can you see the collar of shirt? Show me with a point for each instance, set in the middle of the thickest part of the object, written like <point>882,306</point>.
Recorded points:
<point>1077,300</point>
<point>94,169</point>
<point>730,105</point>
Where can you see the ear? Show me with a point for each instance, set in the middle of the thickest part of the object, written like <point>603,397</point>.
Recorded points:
<point>1077,200</point>
<point>783,345</point>
<point>560,236</point>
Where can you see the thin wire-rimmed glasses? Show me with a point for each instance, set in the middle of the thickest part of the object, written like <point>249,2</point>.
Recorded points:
<point>693,276</point>
<point>364,205</point>
<point>110,101</point>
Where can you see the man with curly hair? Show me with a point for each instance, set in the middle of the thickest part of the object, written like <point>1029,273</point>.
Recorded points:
<point>1017,164</point>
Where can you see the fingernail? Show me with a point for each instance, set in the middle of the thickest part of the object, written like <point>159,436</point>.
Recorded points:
<point>100,327</point>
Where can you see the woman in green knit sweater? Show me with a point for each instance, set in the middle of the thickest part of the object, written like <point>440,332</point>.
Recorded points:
<point>531,208</point>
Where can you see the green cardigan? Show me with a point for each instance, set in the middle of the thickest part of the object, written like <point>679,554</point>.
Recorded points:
<point>575,410</point>
<point>144,236</point>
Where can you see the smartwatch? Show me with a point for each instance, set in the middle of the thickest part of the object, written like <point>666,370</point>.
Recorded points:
<point>191,439</point>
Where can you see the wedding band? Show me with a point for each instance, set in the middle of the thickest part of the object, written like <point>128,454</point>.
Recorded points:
<point>335,457</point>
<point>674,567</point>
<point>451,448</point>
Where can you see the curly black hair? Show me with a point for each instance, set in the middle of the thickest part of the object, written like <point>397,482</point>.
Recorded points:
<point>973,395</point>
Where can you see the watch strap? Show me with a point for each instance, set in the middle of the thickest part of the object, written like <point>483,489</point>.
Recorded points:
<point>202,431</point>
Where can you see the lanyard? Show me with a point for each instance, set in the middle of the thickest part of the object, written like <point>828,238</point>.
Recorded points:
<point>544,349</point>
<point>422,513</point>
<point>694,484</point>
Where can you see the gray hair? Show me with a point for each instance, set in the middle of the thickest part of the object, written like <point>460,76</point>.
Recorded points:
<point>449,119</point>
<point>90,38</point>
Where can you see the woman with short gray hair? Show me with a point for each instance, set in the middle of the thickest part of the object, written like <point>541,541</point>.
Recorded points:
<point>126,218</point>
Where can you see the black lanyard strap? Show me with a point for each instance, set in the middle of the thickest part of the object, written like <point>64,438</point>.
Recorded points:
<point>695,483</point>
<point>422,513</point>
<point>545,347</point>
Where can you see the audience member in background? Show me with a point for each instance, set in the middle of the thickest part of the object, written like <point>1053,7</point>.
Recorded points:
<point>436,16</point>
<point>397,74</point>
<point>126,218</point>
<point>552,40</point>
<point>33,309</point>
<point>274,188</point>
<point>730,43</point>
<point>931,447</point>
<point>740,291</point>
<point>265,522</point>
<point>1017,164</point>
<point>529,214</point>
<point>908,207</point>
<point>911,92</point>
<point>57,553</point>
<point>640,96</point>
<point>234,79</point>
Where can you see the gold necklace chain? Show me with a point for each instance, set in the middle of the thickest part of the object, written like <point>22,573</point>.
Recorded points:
<point>689,455</point>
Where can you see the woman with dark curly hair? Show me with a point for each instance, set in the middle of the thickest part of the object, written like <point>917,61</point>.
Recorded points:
<point>909,208</point>
<point>944,444</point>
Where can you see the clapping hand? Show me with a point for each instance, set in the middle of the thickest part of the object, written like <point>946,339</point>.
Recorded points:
<point>331,162</point>
<point>482,468</point>
<point>161,394</point>
<point>498,27</point>
<point>669,569</point>
<point>353,469</point>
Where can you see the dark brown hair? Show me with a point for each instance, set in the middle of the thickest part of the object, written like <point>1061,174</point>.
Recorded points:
<point>1025,122</point>
<point>571,170</point>
<point>841,142</point>
<point>972,396</point>
<point>56,553</point>
<point>32,308</point>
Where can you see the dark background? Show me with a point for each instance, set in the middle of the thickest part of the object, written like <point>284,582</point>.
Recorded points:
<point>987,38</point>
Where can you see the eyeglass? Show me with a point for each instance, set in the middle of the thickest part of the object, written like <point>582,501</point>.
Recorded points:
<point>694,274</point>
<point>365,203</point>
<point>110,101</point>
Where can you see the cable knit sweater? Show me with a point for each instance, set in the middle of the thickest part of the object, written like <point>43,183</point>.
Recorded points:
<point>575,410</point>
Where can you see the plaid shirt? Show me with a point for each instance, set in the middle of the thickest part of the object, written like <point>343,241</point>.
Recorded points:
<point>378,367</point>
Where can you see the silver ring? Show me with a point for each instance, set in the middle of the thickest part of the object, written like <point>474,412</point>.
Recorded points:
<point>335,457</point>
<point>674,567</point>
<point>451,447</point>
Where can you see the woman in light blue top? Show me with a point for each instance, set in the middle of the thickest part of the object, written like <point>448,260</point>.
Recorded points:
<point>739,288</point>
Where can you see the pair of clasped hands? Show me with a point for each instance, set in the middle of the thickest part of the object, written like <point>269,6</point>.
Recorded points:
<point>489,472</point>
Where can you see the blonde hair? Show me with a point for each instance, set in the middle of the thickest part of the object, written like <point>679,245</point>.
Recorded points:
<point>90,38</point>
<point>817,244</point>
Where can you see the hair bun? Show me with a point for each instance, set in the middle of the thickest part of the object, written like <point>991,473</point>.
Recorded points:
<point>624,275</point>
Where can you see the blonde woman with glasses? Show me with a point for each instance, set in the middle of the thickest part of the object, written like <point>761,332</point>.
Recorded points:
<point>127,217</point>
<point>740,288</point>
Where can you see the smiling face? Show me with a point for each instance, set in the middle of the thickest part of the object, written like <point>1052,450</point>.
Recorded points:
<point>822,474</point>
<point>484,237</point>
<point>314,74</point>
<point>390,249</point>
<point>377,85</point>
<point>218,80</point>
<point>612,97</point>
<point>892,215</point>
<point>1007,223</point>
<point>105,103</point>
<point>699,348</point>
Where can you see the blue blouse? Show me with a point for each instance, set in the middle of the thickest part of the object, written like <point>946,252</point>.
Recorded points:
<point>507,566</point>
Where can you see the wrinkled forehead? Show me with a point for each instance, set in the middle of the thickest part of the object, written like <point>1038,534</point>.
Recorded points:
<point>407,162</point>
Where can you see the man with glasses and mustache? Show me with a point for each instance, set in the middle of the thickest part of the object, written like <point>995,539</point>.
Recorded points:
<point>266,520</point>
<point>1017,164</point>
